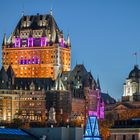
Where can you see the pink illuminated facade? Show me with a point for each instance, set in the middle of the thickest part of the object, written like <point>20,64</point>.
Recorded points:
<point>86,94</point>
<point>95,104</point>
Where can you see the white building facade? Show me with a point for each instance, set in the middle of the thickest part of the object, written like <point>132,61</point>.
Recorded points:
<point>132,85</point>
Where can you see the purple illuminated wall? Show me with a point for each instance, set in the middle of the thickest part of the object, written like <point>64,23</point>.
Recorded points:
<point>29,61</point>
<point>17,42</point>
<point>43,41</point>
<point>30,42</point>
<point>62,43</point>
<point>36,42</point>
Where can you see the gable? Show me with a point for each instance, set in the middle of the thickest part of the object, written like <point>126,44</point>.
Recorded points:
<point>121,107</point>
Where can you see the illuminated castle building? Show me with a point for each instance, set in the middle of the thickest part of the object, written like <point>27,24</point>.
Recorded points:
<point>73,95</point>
<point>37,48</point>
<point>36,75</point>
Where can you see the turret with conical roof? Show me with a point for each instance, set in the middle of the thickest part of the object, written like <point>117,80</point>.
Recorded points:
<point>11,75</point>
<point>3,79</point>
<point>4,41</point>
<point>98,84</point>
<point>68,40</point>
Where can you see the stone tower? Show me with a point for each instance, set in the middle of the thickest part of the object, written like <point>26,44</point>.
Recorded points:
<point>37,48</point>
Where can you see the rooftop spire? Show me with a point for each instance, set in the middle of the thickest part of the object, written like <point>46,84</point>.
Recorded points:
<point>17,34</point>
<point>51,11</point>
<point>22,12</point>
<point>98,84</point>
<point>68,40</point>
<point>4,40</point>
<point>136,58</point>
<point>9,39</point>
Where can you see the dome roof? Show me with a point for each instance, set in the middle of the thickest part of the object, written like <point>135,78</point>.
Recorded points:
<point>135,73</point>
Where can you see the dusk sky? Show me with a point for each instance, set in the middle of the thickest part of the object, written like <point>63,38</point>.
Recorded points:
<point>104,33</point>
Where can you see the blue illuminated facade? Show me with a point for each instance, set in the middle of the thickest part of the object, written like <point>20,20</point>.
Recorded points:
<point>92,129</point>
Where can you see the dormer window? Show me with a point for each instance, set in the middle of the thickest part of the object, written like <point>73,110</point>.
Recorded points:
<point>44,23</point>
<point>133,74</point>
<point>66,78</point>
<point>24,24</point>
<point>28,23</point>
<point>41,23</point>
<point>32,86</point>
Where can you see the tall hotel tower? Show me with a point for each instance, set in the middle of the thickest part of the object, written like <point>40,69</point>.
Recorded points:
<point>37,48</point>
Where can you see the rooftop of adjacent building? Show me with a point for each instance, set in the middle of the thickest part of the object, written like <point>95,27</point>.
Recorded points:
<point>10,134</point>
<point>12,131</point>
<point>57,132</point>
<point>107,98</point>
<point>123,106</point>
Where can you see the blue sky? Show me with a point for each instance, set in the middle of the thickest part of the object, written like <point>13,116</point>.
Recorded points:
<point>104,33</point>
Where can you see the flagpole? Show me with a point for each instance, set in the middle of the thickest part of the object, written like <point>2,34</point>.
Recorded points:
<point>136,57</point>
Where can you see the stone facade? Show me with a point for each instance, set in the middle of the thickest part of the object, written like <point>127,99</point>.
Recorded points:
<point>9,105</point>
<point>28,105</point>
